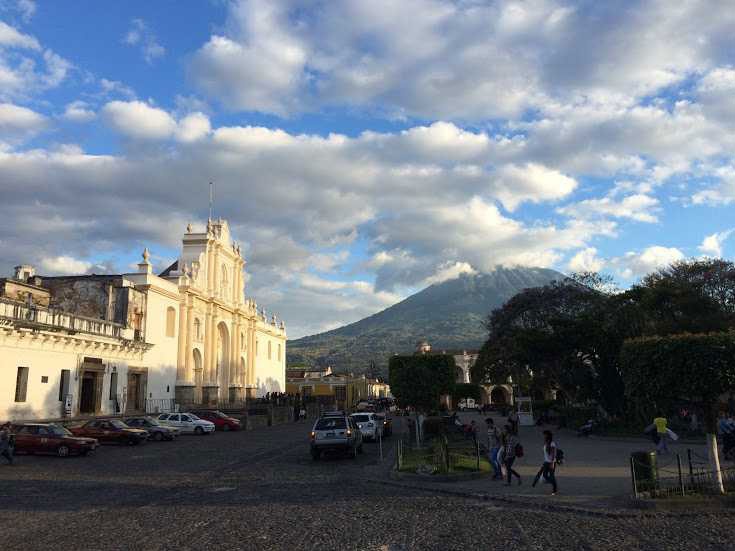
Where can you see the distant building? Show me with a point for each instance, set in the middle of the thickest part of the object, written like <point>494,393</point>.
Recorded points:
<point>492,393</point>
<point>104,344</point>
<point>330,390</point>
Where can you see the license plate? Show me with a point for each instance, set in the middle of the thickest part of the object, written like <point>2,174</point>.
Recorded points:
<point>330,435</point>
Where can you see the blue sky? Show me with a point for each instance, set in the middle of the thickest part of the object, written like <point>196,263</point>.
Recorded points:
<point>364,150</point>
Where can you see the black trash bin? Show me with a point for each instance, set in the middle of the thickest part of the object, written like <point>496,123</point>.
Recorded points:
<point>645,470</point>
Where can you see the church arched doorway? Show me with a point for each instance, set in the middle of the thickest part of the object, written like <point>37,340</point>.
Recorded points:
<point>498,396</point>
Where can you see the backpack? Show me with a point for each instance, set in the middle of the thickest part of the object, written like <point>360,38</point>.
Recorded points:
<point>519,450</point>
<point>559,456</point>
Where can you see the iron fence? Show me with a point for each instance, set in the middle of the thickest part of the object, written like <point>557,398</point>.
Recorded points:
<point>438,456</point>
<point>679,477</point>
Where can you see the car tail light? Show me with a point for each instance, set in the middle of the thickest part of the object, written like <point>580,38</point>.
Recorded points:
<point>313,435</point>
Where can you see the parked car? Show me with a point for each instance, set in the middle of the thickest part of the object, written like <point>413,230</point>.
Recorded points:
<point>335,433</point>
<point>50,438</point>
<point>369,424</point>
<point>186,422</point>
<point>156,431</point>
<point>220,420</point>
<point>387,424</point>
<point>110,430</point>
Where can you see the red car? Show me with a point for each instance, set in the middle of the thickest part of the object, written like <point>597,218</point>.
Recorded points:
<point>111,430</point>
<point>220,420</point>
<point>50,438</point>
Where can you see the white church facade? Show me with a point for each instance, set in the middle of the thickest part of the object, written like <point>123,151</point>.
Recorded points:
<point>105,344</point>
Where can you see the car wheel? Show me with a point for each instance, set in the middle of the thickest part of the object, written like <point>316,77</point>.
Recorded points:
<point>158,436</point>
<point>199,431</point>
<point>226,428</point>
<point>315,455</point>
<point>62,451</point>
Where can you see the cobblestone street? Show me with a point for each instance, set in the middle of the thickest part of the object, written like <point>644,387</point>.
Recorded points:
<point>261,490</point>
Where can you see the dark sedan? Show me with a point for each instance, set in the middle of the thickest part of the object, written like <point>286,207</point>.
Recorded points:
<point>156,431</point>
<point>111,430</point>
<point>52,439</point>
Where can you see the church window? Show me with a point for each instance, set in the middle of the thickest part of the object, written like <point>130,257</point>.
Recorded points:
<point>21,384</point>
<point>279,352</point>
<point>256,347</point>
<point>197,329</point>
<point>242,341</point>
<point>269,350</point>
<point>170,322</point>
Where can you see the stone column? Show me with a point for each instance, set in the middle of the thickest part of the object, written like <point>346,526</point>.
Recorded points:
<point>252,361</point>
<point>235,394</point>
<point>209,386</point>
<point>184,385</point>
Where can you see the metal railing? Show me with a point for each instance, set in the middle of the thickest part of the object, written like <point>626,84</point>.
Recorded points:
<point>37,317</point>
<point>679,477</point>
<point>161,405</point>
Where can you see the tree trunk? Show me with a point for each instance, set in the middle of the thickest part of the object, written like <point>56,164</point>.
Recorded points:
<point>714,462</point>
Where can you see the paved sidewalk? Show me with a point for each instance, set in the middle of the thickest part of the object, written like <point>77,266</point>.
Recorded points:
<point>595,473</point>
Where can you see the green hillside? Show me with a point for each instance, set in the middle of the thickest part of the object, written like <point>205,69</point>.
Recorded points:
<point>449,315</point>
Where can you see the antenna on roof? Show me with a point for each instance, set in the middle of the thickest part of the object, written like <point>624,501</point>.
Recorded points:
<point>211,199</point>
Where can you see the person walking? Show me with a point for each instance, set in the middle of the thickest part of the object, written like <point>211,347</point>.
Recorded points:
<point>493,446</point>
<point>661,432</point>
<point>513,421</point>
<point>510,441</point>
<point>548,468</point>
<point>6,450</point>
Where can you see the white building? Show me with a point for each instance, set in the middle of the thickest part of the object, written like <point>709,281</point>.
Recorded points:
<point>105,344</point>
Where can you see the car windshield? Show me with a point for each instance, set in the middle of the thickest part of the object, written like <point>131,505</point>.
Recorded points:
<point>331,423</point>
<point>58,430</point>
<point>193,417</point>
<point>118,424</point>
<point>361,418</point>
<point>151,421</point>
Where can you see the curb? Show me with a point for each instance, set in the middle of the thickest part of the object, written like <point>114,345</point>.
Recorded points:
<point>645,512</point>
<point>440,478</point>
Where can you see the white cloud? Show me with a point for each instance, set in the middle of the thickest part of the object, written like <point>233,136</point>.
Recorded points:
<point>451,270</point>
<point>139,34</point>
<point>586,260</point>
<point>65,265</point>
<point>532,182</point>
<point>11,37</point>
<point>27,9</point>
<point>18,123</point>
<point>635,264</point>
<point>78,111</point>
<point>712,244</point>
<point>115,87</point>
<point>639,207</point>
<point>466,60</point>
<point>193,127</point>
<point>138,120</point>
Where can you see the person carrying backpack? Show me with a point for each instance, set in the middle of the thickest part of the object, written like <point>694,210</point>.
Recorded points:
<point>548,468</point>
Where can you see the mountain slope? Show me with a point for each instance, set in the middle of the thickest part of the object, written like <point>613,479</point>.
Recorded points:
<point>449,315</point>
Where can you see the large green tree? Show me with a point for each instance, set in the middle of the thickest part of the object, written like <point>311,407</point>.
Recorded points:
<point>418,381</point>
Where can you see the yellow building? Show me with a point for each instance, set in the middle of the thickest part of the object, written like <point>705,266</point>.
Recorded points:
<point>341,391</point>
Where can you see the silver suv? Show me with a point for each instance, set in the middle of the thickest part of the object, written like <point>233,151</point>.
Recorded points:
<point>335,433</point>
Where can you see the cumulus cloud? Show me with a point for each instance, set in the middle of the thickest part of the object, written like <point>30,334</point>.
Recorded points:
<point>586,260</point>
<point>78,111</point>
<point>712,244</point>
<point>64,265</point>
<point>455,59</point>
<point>637,264</point>
<point>18,124</point>
<point>193,127</point>
<point>138,120</point>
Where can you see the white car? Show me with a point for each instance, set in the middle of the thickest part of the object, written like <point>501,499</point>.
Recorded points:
<point>370,426</point>
<point>186,422</point>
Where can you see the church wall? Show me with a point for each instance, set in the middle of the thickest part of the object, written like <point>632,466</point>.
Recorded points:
<point>270,375</point>
<point>45,359</point>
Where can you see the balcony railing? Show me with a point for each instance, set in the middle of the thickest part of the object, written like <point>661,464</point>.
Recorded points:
<point>50,319</point>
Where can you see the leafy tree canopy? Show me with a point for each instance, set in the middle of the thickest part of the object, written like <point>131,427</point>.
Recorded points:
<point>418,381</point>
